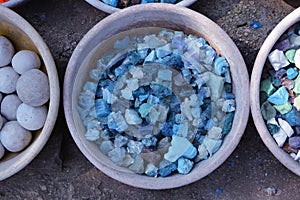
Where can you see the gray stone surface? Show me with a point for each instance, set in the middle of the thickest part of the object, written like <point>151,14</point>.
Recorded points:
<point>61,171</point>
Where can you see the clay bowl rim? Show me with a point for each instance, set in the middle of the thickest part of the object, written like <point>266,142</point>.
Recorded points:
<point>110,9</point>
<point>13,165</point>
<point>14,3</point>
<point>259,63</point>
<point>113,24</point>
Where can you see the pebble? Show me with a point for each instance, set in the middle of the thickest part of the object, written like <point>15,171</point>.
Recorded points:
<point>159,109</point>
<point>127,3</point>
<point>39,91</point>
<point>31,118</point>
<point>8,80</point>
<point>9,106</point>
<point>25,60</point>
<point>281,106</point>
<point>14,137</point>
<point>6,51</point>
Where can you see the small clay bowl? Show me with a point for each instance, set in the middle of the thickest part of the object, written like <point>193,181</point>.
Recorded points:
<point>110,9</point>
<point>24,36</point>
<point>259,64</point>
<point>13,3</point>
<point>173,17</point>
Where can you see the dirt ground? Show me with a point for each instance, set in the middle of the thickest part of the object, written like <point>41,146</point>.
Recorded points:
<point>61,171</point>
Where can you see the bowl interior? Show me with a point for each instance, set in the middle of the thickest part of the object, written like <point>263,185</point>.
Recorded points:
<point>146,17</point>
<point>259,64</point>
<point>23,36</point>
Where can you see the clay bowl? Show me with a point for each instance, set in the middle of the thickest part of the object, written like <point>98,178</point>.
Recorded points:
<point>24,36</point>
<point>14,3</point>
<point>260,61</point>
<point>173,17</point>
<point>110,9</point>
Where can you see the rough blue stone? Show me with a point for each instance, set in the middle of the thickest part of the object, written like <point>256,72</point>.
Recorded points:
<point>293,117</point>
<point>279,97</point>
<point>167,170</point>
<point>132,58</point>
<point>184,165</point>
<point>147,1</point>
<point>121,70</point>
<point>151,57</point>
<point>149,141</point>
<point>179,43</point>
<point>220,65</point>
<point>163,51</point>
<point>175,129</point>
<point>113,3</point>
<point>291,73</point>
<point>273,128</point>
<point>167,129</point>
<point>210,123</point>
<point>228,123</point>
<point>102,108</point>
<point>255,24</point>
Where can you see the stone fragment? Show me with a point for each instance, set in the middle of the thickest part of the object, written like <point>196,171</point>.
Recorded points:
<point>180,146</point>
<point>92,134</point>
<point>116,121</point>
<point>6,51</point>
<point>284,108</point>
<point>273,126</point>
<point>132,117</point>
<point>127,161</point>
<point>25,60</point>
<point>212,145</point>
<point>203,154</point>
<point>14,137</point>
<point>166,168</point>
<point>229,105</point>
<point>282,45</point>
<point>293,117</point>
<point>297,58</point>
<point>290,54</point>
<point>151,170</point>
<point>106,146</point>
<point>267,87</point>
<point>109,97</point>
<point>216,86</point>
<point>138,165</point>
<point>294,142</point>
<point>39,91</point>
<point>279,97</point>
<point>296,88</point>
<point>117,155</point>
<point>220,66</point>
<point>297,102</point>
<point>149,140</point>
<point>134,147</point>
<point>215,133</point>
<point>120,141</point>
<point>280,138</point>
<point>277,59</point>
<point>267,111</point>
<point>184,165</point>
<point>102,108</point>
<point>284,125</point>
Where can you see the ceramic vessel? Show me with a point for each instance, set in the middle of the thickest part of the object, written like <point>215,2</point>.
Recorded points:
<point>24,36</point>
<point>259,64</point>
<point>174,17</point>
<point>110,9</point>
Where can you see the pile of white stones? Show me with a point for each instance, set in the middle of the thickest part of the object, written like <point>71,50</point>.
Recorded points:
<point>24,91</point>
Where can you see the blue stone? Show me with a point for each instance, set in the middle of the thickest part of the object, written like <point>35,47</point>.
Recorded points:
<point>167,170</point>
<point>255,24</point>
<point>163,51</point>
<point>220,65</point>
<point>228,123</point>
<point>293,117</point>
<point>168,1</point>
<point>294,142</point>
<point>279,97</point>
<point>273,128</point>
<point>209,124</point>
<point>132,58</point>
<point>113,3</point>
<point>175,129</point>
<point>167,129</point>
<point>147,1</point>
<point>102,108</point>
<point>179,43</point>
<point>121,70</point>
<point>184,165</point>
<point>149,140</point>
<point>291,73</point>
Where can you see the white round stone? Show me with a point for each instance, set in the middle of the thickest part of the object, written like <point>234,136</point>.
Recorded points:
<point>8,80</point>
<point>2,150</point>
<point>14,137</point>
<point>6,51</point>
<point>31,118</point>
<point>33,88</point>
<point>9,106</point>
<point>25,60</point>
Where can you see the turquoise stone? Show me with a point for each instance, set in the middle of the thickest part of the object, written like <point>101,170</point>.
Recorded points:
<point>267,111</point>
<point>279,97</point>
<point>184,165</point>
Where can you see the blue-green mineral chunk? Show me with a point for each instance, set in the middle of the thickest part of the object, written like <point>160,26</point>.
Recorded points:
<point>113,3</point>
<point>291,73</point>
<point>273,128</point>
<point>267,111</point>
<point>144,109</point>
<point>284,108</point>
<point>102,108</point>
<point>293,117</point>
<point>228,123</point>
<point>117,155</point>
<point>184,165</point>
<point>279,97</point>
<point>267,87</point>
<point>151,170</point>
<point>166,168</point>
<point>220,65</point>
<point>106,146</point>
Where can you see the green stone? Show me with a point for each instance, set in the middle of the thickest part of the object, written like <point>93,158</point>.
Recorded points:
<point>290,54</point>
<point>144,109</point>
<point>263,97</point>
<point>273,128</point>
<point>276,81</point>
<point>284,108</point>
<point>267,87</point>
<point>296,88</point>
<point>267,111</point>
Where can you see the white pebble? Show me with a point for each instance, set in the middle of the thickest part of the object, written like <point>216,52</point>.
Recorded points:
<point>9,106</point>
<point>277,59</point>
<point>8,80</point>
<point>31,118</point>
<point>14,137</point>
<point>38,93</point>
<point>297,59</point>
<point>6,51</point>
<point>25,60</point>
<point>2,150</point>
